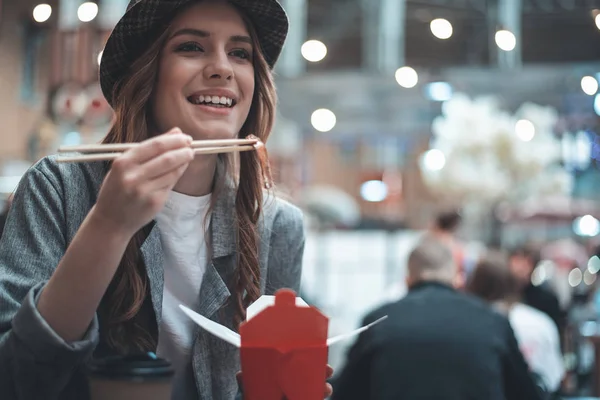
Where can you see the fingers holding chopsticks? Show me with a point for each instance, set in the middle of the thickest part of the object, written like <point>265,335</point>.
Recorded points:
<point>162,160</point>
<point>139,181</point>
<point>166,179</point>
<point>158,145</point>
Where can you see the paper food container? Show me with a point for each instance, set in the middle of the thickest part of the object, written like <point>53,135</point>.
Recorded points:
<point>283,347</point>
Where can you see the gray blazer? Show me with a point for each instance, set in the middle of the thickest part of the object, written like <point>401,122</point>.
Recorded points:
<point>49,206</point>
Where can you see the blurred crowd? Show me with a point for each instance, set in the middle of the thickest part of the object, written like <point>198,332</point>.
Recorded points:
<point>487,330</point>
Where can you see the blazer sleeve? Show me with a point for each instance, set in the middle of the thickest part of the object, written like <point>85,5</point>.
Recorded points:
<point>518,381</point>
<point>286,250</point>
<point>34,361</point>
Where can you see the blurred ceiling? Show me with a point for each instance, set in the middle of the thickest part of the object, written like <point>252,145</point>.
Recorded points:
<point>553,31</point>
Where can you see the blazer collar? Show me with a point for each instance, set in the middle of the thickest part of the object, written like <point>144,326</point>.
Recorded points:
<point>430,284</point>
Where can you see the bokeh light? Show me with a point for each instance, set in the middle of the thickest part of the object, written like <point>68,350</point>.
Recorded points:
<point>525,130</point>
<point>313,50</point>
<point>42,12</point>
<point>441,28</point>
<point>589,85</point>
<point>506,40</point>
<point>407,77</point>
<point>323,120</point>
<point>87,11</point>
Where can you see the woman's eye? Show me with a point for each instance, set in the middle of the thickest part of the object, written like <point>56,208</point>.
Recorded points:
<point>241,53</point>
<point>189,47</point>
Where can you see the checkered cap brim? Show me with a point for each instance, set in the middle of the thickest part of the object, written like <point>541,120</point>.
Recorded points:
<point>144,20</point>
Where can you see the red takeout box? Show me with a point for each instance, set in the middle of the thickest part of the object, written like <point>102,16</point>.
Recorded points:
<point>283,347</point>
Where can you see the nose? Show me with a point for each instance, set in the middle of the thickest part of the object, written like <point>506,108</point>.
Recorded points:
<point>219,67</point>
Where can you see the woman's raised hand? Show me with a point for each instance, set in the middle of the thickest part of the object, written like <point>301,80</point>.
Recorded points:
<point>138,183</point>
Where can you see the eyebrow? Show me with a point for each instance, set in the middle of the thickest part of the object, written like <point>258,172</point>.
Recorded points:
<point>205,34</point>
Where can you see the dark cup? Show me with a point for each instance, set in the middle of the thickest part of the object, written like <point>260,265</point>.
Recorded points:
<point>130,378</point>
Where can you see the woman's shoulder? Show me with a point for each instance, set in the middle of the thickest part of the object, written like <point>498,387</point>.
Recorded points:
<point>282,216</point>
<point>69,176</point>
<point>56,194</point>
<point>72,187</point>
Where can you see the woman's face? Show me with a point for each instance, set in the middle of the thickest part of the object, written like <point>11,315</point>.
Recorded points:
<point>206,76</point>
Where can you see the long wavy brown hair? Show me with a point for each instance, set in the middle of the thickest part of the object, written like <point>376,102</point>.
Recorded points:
<point>123,327</point>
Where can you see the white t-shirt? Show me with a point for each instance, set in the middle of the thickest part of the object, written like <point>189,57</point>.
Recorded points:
<point>182,224</point>
<point>539,342</point>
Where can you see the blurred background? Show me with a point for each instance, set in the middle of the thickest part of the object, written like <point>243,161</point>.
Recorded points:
<point>392,112</point>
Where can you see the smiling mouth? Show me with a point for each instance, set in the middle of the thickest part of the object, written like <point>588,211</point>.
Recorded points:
<point>212,101</point>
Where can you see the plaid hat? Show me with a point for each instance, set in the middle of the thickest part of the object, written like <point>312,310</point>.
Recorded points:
<point>144,20</point>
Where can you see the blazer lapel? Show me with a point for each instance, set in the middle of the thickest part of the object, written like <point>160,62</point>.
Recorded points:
<point>214,291</point>
<point>152,255</point>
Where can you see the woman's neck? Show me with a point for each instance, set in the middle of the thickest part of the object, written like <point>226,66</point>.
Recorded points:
<point>197,180</point>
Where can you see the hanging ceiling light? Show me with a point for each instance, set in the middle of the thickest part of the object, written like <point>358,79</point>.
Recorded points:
<point>506,40</point>
<point>441,28</point>
<point>87,11</point>
<point>42,13</point>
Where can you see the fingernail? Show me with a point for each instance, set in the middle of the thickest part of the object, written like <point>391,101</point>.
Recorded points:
<point>175,130</point>
<point>189,138</point>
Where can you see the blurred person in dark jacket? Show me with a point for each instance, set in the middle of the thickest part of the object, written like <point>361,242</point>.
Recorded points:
<point>5,214</point>
<point>522,262</point>
<point>437,343</point>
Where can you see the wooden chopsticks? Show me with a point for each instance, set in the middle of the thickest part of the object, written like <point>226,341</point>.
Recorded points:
<point>107,152</point>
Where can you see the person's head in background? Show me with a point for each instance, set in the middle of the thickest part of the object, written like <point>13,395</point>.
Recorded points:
<point>432,261</point>
<point>522,262</point>
<point>493,281</point>
<point>448,221</point>
<point>445,227</point>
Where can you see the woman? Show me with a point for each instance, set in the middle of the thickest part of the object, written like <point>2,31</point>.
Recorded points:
<point>535,332</point>
<point>100,255</point>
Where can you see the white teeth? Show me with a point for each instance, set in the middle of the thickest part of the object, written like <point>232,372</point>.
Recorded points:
<point>212,100</point>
